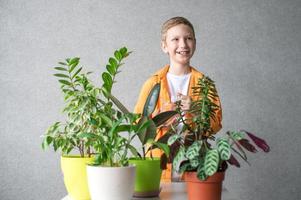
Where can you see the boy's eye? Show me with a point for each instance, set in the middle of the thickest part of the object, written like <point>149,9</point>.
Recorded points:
<point>174,39</point>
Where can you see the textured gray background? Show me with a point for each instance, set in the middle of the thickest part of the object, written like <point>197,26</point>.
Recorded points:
<point>251,49</point>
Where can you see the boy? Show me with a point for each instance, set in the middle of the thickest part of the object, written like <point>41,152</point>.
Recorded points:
<point>176,79</point>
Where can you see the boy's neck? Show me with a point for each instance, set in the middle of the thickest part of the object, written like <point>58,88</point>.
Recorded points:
<point>178,70</point>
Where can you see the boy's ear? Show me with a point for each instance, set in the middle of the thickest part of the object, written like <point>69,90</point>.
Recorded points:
<point>164,47</point>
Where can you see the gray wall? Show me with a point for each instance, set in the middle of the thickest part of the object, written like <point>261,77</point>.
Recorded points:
<point>251,49</point>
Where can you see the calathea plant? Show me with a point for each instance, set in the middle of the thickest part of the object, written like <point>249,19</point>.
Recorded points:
<point>195,148</point>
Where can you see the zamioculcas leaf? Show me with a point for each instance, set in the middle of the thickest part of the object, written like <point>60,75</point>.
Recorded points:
<point>113,62</point>
<point>163,117</point>
<point>211,162</point>
<point>106,77</point>
<point>110,69</point>
<point>173,138</point>
<point>224,149</point>
<point>193,150</point>
<point>151,100</point>
<point>123,51</point>
<point>118,55</point>
<point>179,158</point>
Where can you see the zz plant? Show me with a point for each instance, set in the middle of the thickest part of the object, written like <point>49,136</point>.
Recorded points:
<point>93,125</point>
<point>195,147</point>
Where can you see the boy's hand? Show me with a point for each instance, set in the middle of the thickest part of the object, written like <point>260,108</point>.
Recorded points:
<point>185,101</point>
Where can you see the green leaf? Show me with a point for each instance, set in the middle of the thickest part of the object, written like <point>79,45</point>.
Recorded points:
<point>193,150</point>
<point>119,105</point>
<point>123,52</point>
<point>163,147</point>
<point>65,82</point>
<point>61,69</point>
<point>111,70</point>
<point>61,75</point>
<point>145,134</point>
<point>118,55</point>
<point>87,135</point>
<point>73,63</point>
<point>75,74</point>
<point>194,162</point>
<point>151,100</point>
<point>211,162</point>
<point>134,151</point>
<point>163,117</point>
<point>106,77</point>
<point>62,63</point>
<point>106,119</point>
<point>201,172</point>
<point>173,138</point>
<point>113,63</point>
<point>179,158</point>
<point>224,149</point>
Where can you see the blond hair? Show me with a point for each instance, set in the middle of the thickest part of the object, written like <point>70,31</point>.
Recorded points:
<point>174,22</point>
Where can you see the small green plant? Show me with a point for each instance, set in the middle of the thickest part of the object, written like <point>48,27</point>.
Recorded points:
<point>81,98</point>
<point>195,148</point>
<point>93,124</point>
<point>147,126</point>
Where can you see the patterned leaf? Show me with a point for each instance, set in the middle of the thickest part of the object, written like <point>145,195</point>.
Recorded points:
<point>193,150</point>
<point>224,149</point>
<point>173,138</point>
<point>179,158</point>
<point>194,162</point>
<point>201,172</point>
<point>211,162</point>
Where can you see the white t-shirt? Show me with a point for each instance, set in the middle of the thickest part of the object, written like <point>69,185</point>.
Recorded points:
<point>177,84</point>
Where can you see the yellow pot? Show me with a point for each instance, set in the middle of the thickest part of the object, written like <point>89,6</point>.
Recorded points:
<point>75,176</point>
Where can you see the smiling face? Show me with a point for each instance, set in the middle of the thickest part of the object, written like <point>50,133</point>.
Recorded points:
<point>179,44</point>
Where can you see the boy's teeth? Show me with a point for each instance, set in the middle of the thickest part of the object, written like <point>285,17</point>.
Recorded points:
<point>183,52</point>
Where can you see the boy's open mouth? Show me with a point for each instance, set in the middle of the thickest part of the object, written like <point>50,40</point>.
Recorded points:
<point>183,52</point>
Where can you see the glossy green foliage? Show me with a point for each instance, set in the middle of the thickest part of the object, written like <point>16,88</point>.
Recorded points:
<point>151,100</point>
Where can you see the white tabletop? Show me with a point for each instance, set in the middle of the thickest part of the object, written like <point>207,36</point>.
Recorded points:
<point>176,191</point>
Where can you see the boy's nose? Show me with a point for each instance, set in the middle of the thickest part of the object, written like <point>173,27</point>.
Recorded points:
<point>183,43</point>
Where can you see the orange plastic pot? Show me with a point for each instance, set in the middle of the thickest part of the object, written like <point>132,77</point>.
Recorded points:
<point>210,189</point>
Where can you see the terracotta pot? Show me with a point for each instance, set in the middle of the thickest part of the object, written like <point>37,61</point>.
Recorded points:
<point>210,189</point>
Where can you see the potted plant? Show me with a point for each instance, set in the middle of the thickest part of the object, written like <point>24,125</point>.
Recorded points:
<point>80,97</point>
<point>198,153</point>
<point>92,126</point>
<point>148,168</point>
<point>110,176</point>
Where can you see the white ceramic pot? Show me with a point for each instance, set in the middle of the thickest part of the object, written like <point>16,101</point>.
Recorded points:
<point>111,183</point>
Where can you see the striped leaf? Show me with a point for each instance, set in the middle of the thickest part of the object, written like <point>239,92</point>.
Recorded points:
<point>211,162</point>
<point>151,100</point>
<point>172,139</point>
<point>201,172</point>
<point>179,158</point>
<point>193,150</point>
<point>194,162</point>
<point>224,150</point>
